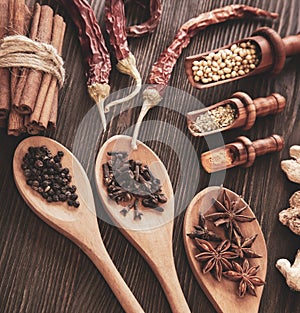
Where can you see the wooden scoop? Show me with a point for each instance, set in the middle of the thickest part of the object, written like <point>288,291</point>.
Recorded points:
<point>273,52</point>
<point>223,295</point>
<point>80,225</point>
<point>152,234</point>
<point>247,110</point>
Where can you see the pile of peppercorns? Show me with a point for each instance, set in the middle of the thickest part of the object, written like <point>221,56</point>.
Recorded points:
<point>44,173</point>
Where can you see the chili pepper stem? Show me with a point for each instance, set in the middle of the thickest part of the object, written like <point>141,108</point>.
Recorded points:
<point>98,93</point>
<point>127,66</point>
<point>151,98</point>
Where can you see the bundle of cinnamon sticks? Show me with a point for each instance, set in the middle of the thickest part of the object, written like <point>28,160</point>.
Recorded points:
<point>29,98</point>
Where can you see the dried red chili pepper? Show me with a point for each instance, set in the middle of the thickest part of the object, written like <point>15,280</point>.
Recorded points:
<point>162,69</point>
<point>150,25</point>
<point>94,50</point>
<point>115,25</point>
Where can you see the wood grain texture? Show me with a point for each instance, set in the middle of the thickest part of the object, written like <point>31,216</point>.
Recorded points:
<point>41,271</point>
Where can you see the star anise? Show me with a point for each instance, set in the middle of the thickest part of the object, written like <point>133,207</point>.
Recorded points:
<point>229,214</point>
<point>245,275</point>
<point>242,247</point>
<point>215,259</point>
<point>202,232</point>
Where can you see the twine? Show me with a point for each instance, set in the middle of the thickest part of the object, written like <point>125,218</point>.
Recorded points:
<point>21,51</point>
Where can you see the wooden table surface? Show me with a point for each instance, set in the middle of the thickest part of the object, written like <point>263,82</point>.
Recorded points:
<point>41,271</point>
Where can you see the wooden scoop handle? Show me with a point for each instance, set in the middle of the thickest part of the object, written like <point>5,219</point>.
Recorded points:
<point>292,45</point>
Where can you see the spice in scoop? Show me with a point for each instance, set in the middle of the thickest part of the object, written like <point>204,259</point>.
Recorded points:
<point>44,173</point>
<point>238,60</point>
<point>129,182</point>
<point>215,119</point>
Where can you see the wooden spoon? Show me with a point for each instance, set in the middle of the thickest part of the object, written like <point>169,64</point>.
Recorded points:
<point>80,225</point>
<point>223,295</point>
<point>152,235</point>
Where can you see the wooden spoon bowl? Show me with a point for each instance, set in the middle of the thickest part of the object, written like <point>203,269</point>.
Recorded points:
<point>223,295</point>
<point>79,225</point>
<point>152,235</point>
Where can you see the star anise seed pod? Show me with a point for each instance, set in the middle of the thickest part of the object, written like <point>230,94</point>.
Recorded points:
<point>242,247</point>
<point>229,214</point>
<point>245,275</point>
<point>202,232</point>
<point>214,259</point>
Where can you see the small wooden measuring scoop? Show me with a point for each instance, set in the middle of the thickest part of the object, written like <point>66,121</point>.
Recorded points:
<point>273,51</point>
<point>223,294</point>
<point>246,111</point>
<point>78,224</point>
<point>152,234</point>
<point>242,152</point>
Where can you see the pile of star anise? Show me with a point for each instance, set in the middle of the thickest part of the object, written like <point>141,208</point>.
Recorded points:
<point>229,257</point>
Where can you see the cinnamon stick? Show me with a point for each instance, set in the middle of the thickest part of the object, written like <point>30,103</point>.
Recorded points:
<point>16,97</point>
<point>15,123</point>
<point>49,113</point>
<point>54,109</point>
<point>43,104</point>
<point>53,113</point>
<point>33,82</point>
<point>18,28</point>
<point>4,73</point>
<point>15,120</point>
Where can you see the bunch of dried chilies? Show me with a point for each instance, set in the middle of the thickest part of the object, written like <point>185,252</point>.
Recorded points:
<point>228,257</point>
<point>95,51</point>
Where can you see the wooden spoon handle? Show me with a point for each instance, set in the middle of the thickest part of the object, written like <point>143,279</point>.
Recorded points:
<point>100,257</point>
<point>167,276</point>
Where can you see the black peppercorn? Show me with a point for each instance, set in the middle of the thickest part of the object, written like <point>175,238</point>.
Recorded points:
<point>76,204</point>
<point>65,171</point>
<point>73,197</point>
<point>62,197</point>
<point>69,177</point>
<point>73,189</point>
<point>27,173</point>
<point>39,164</point>
<point>56,159</point>
<point>35,183</point>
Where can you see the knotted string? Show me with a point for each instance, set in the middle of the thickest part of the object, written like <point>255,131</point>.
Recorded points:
<point>21,51</point>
